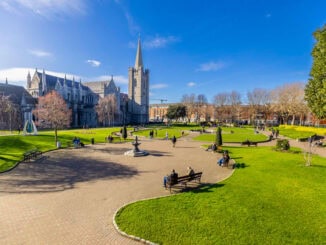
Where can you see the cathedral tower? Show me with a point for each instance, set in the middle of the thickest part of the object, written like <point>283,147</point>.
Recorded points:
<point>139,90</point>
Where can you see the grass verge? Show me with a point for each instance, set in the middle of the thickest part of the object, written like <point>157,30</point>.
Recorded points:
<point>274,199</point>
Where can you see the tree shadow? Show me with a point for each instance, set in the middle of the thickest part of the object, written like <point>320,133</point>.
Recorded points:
<point>196,187</point>
<point>317,166</point>
<point>205,188</point>
<point>240,165</point>
<point>52,175</point>
<point>237,157</point>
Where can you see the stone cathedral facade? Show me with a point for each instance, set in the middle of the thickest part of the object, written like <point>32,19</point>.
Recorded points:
<point>139,90</point>
<point>82,98</point>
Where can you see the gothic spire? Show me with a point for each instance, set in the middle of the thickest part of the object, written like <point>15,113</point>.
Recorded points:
<point>139,57</point>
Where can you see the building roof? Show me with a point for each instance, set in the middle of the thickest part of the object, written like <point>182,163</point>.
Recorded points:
<point>16,93</point>
<point>51,81</point>
<point>139,57</point>
<point>98,86</point>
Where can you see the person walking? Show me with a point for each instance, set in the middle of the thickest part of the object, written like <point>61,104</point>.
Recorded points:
<point>174,140</point>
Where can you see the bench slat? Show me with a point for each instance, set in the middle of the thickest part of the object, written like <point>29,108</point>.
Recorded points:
<point>184,179</point>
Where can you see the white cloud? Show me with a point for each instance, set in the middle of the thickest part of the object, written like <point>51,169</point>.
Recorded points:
<point>40,53</point>
<point>7,7</point>
<point>211,66</point>
<point>45,8</point>
<point>94,63</point>
<point>132,25</point>
<point>159,42</point>
<point>191,84</point>
<point>132,45</point>
<point>17,76</point>
<point>158,86</point>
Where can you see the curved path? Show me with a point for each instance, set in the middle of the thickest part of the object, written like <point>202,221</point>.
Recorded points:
<point>71,195</point>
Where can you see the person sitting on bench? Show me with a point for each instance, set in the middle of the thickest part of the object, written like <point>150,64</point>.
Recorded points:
<point>190,171</point>
<point>225,159</point>
<point>173,177</point>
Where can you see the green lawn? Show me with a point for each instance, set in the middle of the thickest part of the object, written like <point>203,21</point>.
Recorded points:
<point>274,199</point>
<point>160,132</point>
<point>233,135</point>
<point>13,146</point>
<point>299,132</point>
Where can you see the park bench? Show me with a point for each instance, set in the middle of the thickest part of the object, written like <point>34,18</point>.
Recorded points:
<point>32,154</point>
<point>183,180</point>
<point>249,143</point>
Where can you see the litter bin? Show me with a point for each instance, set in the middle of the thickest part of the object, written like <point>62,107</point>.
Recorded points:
<point>92,141</point>
<point>58,144</point>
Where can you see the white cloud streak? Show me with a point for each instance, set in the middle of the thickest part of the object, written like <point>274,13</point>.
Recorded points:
<point>45,8</point>
<point>132,25</point>
<point>211,66</point>
<point>191,84</point>
<point>40,53</point>
<point>160,42</point>
<point>94,63</point>
<point>158,86</point>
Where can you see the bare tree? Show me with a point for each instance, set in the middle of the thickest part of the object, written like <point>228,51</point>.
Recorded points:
<point>220,103</point>
<point>52,112</point>
<point>201,107</point>
<point>107,109</point>
<point>190,102</point>
<point>235,102</point>
<point>10,114</point>
<point>258,101</point>
<point>288,101</point>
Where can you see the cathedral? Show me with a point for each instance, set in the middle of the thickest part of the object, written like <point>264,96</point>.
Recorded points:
<point>82,97</point>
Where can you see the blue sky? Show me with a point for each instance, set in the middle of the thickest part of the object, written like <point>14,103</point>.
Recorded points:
<point>202,47</point>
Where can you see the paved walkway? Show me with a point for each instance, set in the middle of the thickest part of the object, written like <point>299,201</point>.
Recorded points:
<point>71,195</point>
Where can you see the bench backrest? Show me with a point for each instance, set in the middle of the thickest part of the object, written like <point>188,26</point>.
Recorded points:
<point>193,176</point>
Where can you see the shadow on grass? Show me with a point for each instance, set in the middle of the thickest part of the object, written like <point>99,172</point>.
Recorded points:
<point>204,188</point>
<point>237,158</point>
<point>317,166</point>
<point>196,187</point>
<point>59,173</point>
<point>240,165</point>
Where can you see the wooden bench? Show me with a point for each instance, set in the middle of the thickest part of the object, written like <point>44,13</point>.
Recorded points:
<point>183,180</point>
<point>32,154</point>
<point>249,143</point>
